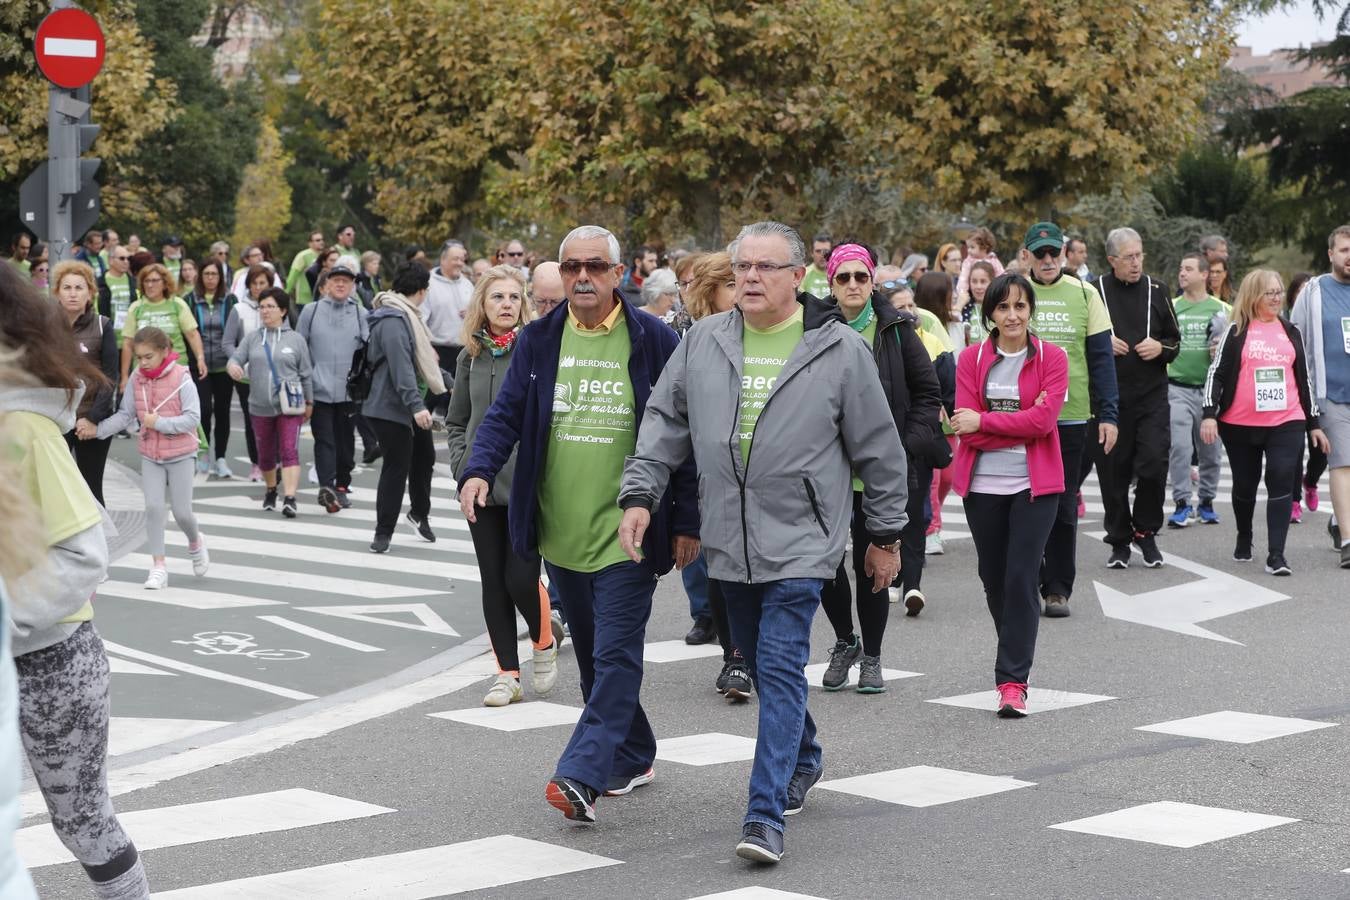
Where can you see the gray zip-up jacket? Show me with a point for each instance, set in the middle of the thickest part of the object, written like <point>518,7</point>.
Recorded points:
<point>785,514</point>
<point>477,380</point>
<point>1307,318</point>
<point>334,332</point>
<point>290,354</point>
<point>394,392</point>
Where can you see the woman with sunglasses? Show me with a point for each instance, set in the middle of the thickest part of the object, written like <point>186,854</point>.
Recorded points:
<point>1259,400</point>
<point>911,386</point>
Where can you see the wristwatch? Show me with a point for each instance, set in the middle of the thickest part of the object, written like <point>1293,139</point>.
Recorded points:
<point>893,547</point>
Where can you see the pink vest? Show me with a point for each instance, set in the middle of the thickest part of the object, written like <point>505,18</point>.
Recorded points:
<point>162,396</point>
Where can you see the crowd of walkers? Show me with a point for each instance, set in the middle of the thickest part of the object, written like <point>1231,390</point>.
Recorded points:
<point>784,430</point>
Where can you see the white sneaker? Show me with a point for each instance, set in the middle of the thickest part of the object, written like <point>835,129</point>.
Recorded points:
<point>894,594</point>
<point>313,474</point>
<point>544,672</point>
<point>255,473</point>
<point>201,560</point>
<point>203,466</point>
<point>504,691</point>
<point>933,544</point>
<point>158,579</point>
<point>223,469</point>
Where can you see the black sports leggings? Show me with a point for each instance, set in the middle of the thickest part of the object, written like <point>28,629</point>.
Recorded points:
<point>1282,449</point>
<point>509,584</point>
<point>1316,468</point>
<point>91,458</point>
<point>214,392</point>
<point>242,390</point>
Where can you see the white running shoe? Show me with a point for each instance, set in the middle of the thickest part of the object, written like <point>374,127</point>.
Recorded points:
<point>201,560</point>
<point>933,544</point>
<point>223,469</point>
<point>544,672</point>
<point>158,579</point>
<point>203,466</point>
<point>313,474</point>
<point>504,691</point>
<point>893,593</point>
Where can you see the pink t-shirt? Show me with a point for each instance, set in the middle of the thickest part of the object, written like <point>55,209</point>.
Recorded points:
<point>1266,392</point>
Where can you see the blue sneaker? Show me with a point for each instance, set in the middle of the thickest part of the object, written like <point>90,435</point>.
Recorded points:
<point>1182,517</point>
<point>1207,514</point>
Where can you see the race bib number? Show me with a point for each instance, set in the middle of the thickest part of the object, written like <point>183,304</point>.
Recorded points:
<point>119,319</point>
<point>1345,332</point>
<point>1270,392</point>
<point>1004,404</point>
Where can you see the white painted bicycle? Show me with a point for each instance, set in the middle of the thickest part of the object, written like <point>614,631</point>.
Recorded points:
<point>236,643</point>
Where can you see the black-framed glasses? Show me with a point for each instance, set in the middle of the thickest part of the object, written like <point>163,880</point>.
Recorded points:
<point>573,267</point>
<point>842,278</point>
<point>743,268</point>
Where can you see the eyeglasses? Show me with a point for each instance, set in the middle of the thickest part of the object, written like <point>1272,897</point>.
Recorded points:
<point>573,267</point>
<point>154,279</point>
<point>765,268</point>
<point>1045,252</point>
<point>1132,258</point>
<point>858,278</point>
<point>1273,292</point>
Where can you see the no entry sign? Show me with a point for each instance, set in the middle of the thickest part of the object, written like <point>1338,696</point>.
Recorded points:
<point>69,47</point>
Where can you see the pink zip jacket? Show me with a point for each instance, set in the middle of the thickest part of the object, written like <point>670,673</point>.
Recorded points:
<point>1046,369</point>
<point>173,398</point>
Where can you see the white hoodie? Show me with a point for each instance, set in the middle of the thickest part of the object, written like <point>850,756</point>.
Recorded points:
<point>447,302</point>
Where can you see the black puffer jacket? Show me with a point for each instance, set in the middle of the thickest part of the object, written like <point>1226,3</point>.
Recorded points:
<point>911,384</point>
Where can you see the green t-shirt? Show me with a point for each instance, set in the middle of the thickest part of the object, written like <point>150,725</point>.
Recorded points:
<point>1194,318</point>
<point>119,289</point>
<point>1068,312</point>
<point>766,352</point>
<point>593,431</point>
<point>297,285</point>
<point>933,325</point>
<point>816,282</point>
<point>175,267</point>
<point>170,316</point>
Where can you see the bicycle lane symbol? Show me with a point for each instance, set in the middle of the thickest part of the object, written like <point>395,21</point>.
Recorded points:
<point>236,643</point>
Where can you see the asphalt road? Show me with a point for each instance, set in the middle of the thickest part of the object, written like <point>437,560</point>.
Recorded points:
<point>385,794</point>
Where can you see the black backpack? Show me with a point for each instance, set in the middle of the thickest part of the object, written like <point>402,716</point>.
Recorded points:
<point>362,374</point>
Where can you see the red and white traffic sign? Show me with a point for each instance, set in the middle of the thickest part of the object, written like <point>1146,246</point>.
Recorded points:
<point>69,47</point>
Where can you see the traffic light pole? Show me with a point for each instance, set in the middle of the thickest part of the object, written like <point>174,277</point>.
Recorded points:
<point>65,111</point>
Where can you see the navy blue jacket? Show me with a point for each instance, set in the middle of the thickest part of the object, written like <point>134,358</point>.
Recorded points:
<point>523,413</point>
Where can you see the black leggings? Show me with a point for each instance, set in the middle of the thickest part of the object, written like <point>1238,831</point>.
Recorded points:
<point>91,458</point>
<point>214,393</point>
<point>1282,448</point>
<point>509,584</point>
<point>1316,468</point>
<point>241,389</point>
<point>717,607</point>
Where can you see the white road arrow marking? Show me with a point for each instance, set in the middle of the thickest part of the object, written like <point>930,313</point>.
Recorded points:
<point>375,614</point>
<point>1181,607</point>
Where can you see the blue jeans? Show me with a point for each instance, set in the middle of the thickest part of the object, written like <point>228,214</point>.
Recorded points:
<point>771,624</point>
<point>607,612</point>
<point>695,578</point>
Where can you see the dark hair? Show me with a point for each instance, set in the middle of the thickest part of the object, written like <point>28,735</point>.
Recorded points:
<point>91,233</point>
<point>1200,262</point>
<point>253,272</point>
<point>411,279</point>
<point>265,245</point>
<point>411,251</point>
<point>221,286</point>
<point>981,265</point>
<point>1342,231</point>
<point>283,299</point>
<point>934,293</point>
<point>35,326</point>
<point>152,336</point>
<point>1295,285</point>
<point>342,228</point>
<point>984,238</point>
<point>641,252</point>
<point>18,236</point>
<point>822,236</point>
<point>998,292</point>
<point>139,260</point>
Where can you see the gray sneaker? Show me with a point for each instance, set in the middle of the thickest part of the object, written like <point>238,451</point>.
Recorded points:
<point>869,676</point>
<point>842,658</point>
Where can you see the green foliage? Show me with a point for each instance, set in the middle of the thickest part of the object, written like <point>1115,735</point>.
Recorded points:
<point>1166,238</point>
<point>263,205</point>
<point>1212,182</point>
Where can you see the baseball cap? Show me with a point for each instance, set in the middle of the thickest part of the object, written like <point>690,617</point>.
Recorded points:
<point>342,268</point>
<point>1043,234</point>
<point>171,240</point>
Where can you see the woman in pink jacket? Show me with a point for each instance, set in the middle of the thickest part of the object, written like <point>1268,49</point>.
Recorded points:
<point>1009,391</point>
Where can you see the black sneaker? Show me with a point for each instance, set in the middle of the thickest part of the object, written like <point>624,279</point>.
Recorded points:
<point>380,544</point>
<point>270,501</point>
<point>738,684</point>
<point>1148,546</point>
<point>574,799</point>
<point>1275,565</point>
<point>1120,557</point>
<point>701,633</point>
<point>328,499</point>
<point>1334,532</point>
<point>869,676</point>
<point>288,507</point>
<point>799,787</point>
<point>1242,550</point>
<point>842,658</point>
<point>623,784</point>
<point>1345,556</point>
<point>1056,606</point>
<point>760,843</point>
<point>423,527</point>
<point>371,454</point>
<point>344,497</point>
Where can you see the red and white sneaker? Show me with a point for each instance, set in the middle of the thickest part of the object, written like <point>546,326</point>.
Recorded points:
<point>1310,498</point>
<point>1012,700</point>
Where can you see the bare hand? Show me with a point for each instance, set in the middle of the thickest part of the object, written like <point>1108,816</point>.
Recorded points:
<point>1319,440</point>
<point>201,369</point>
<point>965,421</point>
<point>1148,349</point>
<point>1106,436</point>
<point>472,495</point>
<point>423,419</point>
<point>122,385</point>
<point>309,411</point>
<point>1040,399</point>
<point>85,429</point>
<point>1119,347</point>
<point>881,567</point>
<point>632,528</point>
<point>685,550</point>
<point>235,371</point>
<point>1209,430</point>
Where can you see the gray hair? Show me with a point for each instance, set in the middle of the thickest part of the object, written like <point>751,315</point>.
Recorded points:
<point>1118,236</point>
<point>662,281</point>
<point>796,249</point>
<point>451,244</point>
<point>219,246</point>
<point>587,232</point>
<point>912,262</point>
<point>1211,242</point>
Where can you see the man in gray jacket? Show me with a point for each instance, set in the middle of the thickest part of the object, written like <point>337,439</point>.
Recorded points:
<point>334,327</point>
<point>785,375</point>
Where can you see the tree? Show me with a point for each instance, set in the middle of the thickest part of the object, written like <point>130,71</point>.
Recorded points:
<point>1211,181</point>
<point>1030,105</point>
<point>263,205</point>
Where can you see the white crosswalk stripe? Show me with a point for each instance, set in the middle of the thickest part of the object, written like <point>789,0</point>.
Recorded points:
<point>181,570</point>
<point>350,556</point>
<point>310,510</point>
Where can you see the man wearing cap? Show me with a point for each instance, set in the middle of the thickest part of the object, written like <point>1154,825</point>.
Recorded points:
<point>334,327</point>
<point>171,255</point>
<point>1071,314</point>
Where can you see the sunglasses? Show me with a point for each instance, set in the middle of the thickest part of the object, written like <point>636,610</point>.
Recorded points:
<point>858,278</point>
<point>1045,252</point>
<point>515,253</point>
<point>573,267</point>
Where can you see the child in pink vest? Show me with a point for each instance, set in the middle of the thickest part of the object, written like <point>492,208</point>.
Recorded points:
<point>162,398</point>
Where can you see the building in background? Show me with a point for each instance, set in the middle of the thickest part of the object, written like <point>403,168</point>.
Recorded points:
<point>1280,72</point>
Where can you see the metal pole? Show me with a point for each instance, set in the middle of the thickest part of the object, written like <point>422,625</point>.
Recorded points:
<point>62,156</point>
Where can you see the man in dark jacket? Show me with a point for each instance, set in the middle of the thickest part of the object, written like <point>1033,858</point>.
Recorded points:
<point>1145,338</point>
<point>572,399</point>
